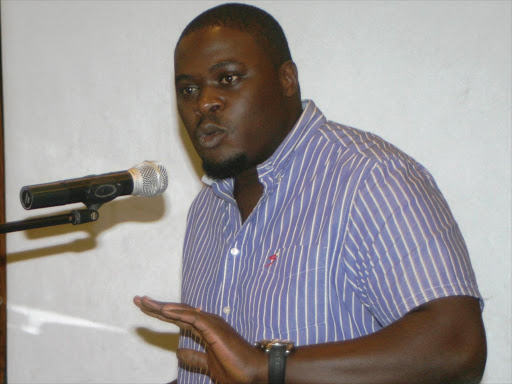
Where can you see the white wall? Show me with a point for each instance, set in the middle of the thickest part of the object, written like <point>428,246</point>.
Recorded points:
<point>88,89</point>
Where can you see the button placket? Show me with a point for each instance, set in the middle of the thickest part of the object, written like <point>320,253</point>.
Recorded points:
<point>233,253</point>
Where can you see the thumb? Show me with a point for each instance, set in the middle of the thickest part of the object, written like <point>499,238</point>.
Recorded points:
<point>193,358</point>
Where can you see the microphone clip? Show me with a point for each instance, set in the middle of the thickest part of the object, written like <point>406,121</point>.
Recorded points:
<point>82,216</point>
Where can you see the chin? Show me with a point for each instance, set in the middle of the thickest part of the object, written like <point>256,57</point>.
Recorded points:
<point>227,168</point>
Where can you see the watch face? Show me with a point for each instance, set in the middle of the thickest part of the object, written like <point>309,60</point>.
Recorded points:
<point>267,345</point>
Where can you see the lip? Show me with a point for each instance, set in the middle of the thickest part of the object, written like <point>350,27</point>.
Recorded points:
<point>210,135</point>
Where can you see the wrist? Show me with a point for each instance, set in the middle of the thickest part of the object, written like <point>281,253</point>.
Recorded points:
<point>260,374</point>
<point>276,351</point>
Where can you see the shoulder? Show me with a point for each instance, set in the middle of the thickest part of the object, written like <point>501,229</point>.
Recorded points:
<point>385,178</point>
<point>375,157</point>
<point>361,143</point>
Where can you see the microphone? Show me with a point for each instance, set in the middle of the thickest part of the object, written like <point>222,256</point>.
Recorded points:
<point>148,178</point>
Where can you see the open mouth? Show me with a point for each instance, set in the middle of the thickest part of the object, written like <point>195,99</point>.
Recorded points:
<point>209,136</point>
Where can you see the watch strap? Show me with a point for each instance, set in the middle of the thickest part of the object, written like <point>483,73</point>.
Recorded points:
<point>277,364</point>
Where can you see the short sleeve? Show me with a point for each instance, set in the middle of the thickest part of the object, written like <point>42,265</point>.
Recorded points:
<point>406,247</point>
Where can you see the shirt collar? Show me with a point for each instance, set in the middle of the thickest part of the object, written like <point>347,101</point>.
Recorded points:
<point>275,165</point>
<point>273,168</point>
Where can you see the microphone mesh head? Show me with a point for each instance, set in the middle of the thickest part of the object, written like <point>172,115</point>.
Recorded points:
<point>149,178</point>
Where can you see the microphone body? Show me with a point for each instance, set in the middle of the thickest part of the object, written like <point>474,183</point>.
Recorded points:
<point>148,178</point>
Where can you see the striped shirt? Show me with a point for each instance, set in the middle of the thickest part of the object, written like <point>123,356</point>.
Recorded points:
<point>349,235</point>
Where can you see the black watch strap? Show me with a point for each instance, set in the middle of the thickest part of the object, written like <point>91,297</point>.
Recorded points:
<point>277,364</point>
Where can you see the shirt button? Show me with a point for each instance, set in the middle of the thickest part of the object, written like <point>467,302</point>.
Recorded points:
<point>226,310</point>
<point>234,251</point>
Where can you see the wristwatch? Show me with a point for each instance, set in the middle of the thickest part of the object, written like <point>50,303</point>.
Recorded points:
<point>277,351</point>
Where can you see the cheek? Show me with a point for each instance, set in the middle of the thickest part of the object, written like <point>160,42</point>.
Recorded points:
<point>187,118</point>
<point>183,110</point>
<point>250,108</point>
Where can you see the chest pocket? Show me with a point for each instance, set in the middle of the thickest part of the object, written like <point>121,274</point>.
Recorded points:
<point>291,291</point>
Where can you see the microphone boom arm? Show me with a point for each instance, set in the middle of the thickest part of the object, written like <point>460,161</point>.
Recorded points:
<point>75,217</point>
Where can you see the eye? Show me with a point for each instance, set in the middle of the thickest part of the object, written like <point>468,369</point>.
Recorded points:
<point>229,79</point>
<point>189,90</point>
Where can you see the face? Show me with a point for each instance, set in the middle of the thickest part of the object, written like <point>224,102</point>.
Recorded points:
<point>230,99</point>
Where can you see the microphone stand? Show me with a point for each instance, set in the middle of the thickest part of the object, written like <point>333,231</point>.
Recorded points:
<point>75,217</point>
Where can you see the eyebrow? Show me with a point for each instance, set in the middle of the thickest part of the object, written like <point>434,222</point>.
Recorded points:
<point>213,68</point>
<point>226,63</point>
<point>183,77</point>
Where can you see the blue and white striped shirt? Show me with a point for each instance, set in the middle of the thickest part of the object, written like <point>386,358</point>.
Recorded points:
<point>349,235</point>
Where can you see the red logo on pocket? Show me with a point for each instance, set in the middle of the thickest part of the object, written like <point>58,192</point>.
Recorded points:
<point>272,259</point>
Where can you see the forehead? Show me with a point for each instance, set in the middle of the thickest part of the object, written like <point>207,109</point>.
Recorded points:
<point>203,48</point>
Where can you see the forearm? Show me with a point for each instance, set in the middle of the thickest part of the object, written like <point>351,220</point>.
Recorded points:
<point>426,346</point>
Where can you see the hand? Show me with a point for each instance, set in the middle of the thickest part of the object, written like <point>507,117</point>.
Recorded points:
<point>229,358</point>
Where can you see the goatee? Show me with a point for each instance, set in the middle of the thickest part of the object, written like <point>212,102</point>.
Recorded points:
<point>226,169</point>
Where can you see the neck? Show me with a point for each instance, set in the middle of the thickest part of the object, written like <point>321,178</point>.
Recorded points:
<point>247,192</point>
<point>248,189</point>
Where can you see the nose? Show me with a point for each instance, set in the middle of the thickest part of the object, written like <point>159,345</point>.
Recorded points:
<point>210,101</point>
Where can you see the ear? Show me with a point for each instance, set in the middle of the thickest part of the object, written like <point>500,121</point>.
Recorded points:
<point>289,78</point>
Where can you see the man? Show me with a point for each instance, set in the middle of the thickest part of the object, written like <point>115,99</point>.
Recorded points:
<point>309,231</point>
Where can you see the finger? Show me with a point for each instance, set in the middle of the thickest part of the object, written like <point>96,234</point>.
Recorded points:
<point>137,301</point>
<point>159,316</point>
<point>148,302</point>
<point>156,306</point>
<point>193,358</point>
<point>202,324</point>
<point>193,316</point>
<point>148,311</point>
<point>181,325</point>
<point>170,313</point>
<point>156,315</point>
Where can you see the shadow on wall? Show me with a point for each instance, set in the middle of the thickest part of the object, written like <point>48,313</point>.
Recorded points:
<point>164,340</point>
<point>131,209</point>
